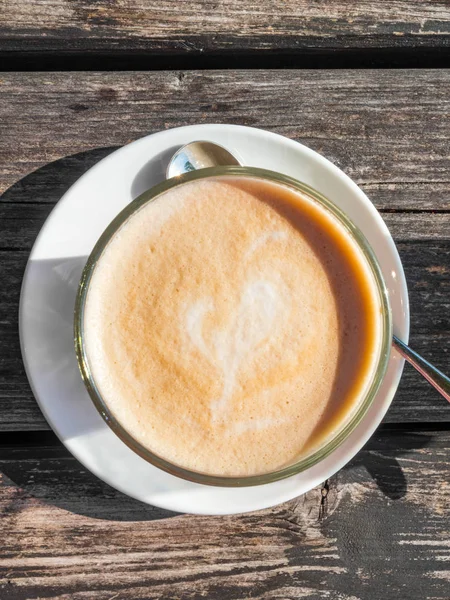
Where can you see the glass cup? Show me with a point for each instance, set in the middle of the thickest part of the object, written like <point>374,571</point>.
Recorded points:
<point>346,428</point>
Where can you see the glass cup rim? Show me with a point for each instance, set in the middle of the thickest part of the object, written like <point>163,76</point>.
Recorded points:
<point>335,440</point>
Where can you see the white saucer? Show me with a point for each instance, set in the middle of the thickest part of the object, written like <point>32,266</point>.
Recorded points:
<point>51,280</point>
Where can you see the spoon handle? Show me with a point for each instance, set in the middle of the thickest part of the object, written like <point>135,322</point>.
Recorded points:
<point>437,379</point>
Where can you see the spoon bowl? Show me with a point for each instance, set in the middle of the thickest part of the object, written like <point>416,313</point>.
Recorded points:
<point>199,155</point>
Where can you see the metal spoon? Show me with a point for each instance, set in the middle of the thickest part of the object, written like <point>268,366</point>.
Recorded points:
<point>437,379</point>
<point>201,154</point>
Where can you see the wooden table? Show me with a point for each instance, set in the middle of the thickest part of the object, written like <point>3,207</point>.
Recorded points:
<point>366,84</point>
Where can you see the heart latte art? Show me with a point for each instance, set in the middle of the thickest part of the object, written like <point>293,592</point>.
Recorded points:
<point>231,325</point>
<point>261,308</point>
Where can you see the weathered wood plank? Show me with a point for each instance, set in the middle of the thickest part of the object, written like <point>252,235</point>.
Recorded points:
<point>205,26</point>
<point>365,121</point>
<point>20,223</point>
<point>388,130</point>
<point>415,401</point>
<point>65,534</point>
<point>419,227</point>
<point>427,268</point>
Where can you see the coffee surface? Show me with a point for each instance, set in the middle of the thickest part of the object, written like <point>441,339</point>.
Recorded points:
<point>231,326</point>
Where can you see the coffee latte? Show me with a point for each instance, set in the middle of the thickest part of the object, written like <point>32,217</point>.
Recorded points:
<point>232,325</point>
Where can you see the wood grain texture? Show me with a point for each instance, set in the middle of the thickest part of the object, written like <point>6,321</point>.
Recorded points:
<point>427,268</point>
<point>357,537</point>
<point>203,26</point>
<point>388,130</point>
<point>20,224</point>
<point>380,527</point>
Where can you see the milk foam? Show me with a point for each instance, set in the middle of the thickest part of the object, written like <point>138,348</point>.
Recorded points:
<point>231,325</point>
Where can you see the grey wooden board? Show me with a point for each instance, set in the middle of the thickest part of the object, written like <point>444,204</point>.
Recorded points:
<point>388,130</point>
<point>20,223</point>
<point>203,26</point>
<point>377,529</point>
<point>427,267</point>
